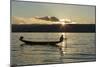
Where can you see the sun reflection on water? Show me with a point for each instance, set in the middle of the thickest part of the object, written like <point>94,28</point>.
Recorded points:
<point>63,44</point>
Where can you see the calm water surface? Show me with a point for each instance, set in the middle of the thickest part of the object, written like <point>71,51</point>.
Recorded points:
<point>77,47</point>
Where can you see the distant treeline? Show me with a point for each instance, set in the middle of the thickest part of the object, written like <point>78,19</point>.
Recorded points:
<point>53,28</point>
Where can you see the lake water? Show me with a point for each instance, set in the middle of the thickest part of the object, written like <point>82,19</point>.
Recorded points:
<point>77,47</point>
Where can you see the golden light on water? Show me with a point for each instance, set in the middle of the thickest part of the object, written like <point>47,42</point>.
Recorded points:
<point>63,44</point>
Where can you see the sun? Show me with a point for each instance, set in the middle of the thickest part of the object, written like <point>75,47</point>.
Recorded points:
<point>63,23</point>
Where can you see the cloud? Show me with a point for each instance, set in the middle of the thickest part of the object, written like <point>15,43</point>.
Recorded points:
<point>39,20</point>
<point>33,20</point>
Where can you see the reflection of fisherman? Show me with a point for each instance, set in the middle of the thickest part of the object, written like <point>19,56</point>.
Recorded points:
<point>61,54</point>
<point>61,51</point>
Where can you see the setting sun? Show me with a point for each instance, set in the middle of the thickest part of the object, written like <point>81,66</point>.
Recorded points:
<point>63,23</point>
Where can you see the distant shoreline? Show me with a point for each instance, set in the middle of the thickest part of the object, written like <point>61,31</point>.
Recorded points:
<point>78,28</point>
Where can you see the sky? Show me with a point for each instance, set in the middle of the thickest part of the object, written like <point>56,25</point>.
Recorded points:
<point>77,13</point>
